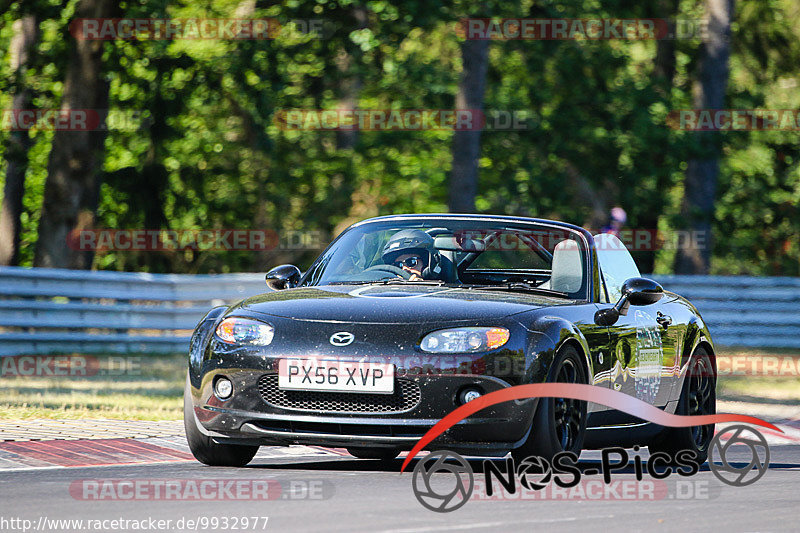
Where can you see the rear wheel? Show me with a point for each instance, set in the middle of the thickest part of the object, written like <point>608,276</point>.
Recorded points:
<point>698,397</point>
<point>206,450</point>
<point>559,424</point>
<point>384,454</point>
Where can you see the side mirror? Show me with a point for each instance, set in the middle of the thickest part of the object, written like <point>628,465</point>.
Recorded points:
<point>642,291</point>
<point>635,291</point>
<point>283,277</point>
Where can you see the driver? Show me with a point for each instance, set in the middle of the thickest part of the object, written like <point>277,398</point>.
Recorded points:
<point>412,251</point>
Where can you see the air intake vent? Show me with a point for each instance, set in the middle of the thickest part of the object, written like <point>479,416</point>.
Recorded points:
<point>406,396</point>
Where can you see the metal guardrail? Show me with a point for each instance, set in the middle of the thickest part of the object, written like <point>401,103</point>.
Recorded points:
<point>65,311</point>
<point>743,310</point>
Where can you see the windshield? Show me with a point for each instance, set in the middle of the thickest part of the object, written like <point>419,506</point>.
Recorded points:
<point>476,253</point>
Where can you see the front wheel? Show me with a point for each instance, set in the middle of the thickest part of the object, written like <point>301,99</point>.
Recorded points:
<point>559,424</point>
<point>698,397</point>
<point>206,450</point>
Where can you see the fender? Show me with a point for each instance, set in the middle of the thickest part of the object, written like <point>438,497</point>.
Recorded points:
<point>697,334</point>
<point>547,335</point>
<point>199,341</point>
<point>560,331</point>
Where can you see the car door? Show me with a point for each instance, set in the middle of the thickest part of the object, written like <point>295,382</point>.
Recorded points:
<point>642,344</point>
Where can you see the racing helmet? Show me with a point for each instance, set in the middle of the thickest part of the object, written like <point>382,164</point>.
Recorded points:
<point>409,241</point>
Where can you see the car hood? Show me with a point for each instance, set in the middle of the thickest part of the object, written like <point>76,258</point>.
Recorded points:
<point>389,304</point>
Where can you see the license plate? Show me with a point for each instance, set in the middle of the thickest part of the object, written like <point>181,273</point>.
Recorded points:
<point>335,376</point>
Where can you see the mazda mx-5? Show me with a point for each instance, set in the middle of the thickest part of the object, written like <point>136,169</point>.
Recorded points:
<point>404,318</point>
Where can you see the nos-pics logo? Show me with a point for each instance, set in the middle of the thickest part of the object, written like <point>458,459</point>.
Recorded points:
<point>443,481</point>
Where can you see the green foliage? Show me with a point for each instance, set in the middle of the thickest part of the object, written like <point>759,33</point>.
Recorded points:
<point>208,152</point>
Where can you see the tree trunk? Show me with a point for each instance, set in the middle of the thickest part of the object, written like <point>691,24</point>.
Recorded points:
<point>349,84</point>
<point>663,80</point>
<point>349,89</point>
<point>26,33</point>
<point>664,63</point>
<point>74,170</point>
<point>467,143</point>
<point>700,184</point>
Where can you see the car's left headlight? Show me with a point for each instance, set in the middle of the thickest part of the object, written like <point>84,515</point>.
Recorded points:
<point>237,330</point>
<point>464,340</point>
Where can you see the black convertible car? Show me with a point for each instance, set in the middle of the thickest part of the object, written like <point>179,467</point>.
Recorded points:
<point>404,318</point>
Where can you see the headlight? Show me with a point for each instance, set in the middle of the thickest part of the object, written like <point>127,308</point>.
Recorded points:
<point>237,330</point>
<point>461,340</point>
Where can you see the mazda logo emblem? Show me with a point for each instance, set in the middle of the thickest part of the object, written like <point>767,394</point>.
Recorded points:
<point>342,338</point>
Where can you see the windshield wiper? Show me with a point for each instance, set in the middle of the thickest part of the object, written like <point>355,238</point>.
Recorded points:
<point>519,286</point>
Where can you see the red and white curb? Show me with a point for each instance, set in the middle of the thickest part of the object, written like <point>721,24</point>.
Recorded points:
<point>51,449</point>
<point>28,455</point>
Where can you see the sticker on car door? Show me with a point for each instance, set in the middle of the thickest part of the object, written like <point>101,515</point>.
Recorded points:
<point>649,357</point>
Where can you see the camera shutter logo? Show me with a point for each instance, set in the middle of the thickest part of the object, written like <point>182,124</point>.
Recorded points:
<point>452,492</point>
<point>342,338</point>
<point>534,473</point>
<point>731,474</point>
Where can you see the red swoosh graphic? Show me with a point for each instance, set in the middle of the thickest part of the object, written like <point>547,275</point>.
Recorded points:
<point>589,393</point>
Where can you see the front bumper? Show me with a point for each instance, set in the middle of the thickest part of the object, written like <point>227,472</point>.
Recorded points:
<point>248,418</point>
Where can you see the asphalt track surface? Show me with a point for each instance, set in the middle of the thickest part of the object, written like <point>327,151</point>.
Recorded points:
<point>350,494</point>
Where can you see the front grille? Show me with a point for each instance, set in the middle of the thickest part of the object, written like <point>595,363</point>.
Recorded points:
<point>405,397</point>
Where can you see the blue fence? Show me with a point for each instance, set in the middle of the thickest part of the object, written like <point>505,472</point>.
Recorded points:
<point>64,311</point>
<point>742,310</point>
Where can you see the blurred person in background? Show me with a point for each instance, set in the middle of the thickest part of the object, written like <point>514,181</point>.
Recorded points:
<point>618,217</point>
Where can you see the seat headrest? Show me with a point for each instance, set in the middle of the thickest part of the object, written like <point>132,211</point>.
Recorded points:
<point>567,268</point>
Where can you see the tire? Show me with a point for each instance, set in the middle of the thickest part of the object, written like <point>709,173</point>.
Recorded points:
<point>698,396</point>
<point>384,454</point>
<point>559,424</point>
<point>206,450</point>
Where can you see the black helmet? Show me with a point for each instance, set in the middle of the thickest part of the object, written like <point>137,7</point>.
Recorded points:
<point>405,242</point>
<point>412,241</point>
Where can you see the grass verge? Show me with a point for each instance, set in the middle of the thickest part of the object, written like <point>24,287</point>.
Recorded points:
<point>760,376</point>
<point>128,387</point>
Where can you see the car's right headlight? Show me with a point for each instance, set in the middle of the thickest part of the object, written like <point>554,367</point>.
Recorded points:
<point>237,330</point>
<point>464,340</point>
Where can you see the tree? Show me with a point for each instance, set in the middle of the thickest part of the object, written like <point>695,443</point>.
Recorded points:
<point>76,158</point>
<point>702,172</point>
<point>467,143</point>
<point>349,79</point>
<point>26,33</point>
<point>209,150</point>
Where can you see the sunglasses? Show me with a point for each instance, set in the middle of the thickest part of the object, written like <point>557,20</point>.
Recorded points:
<point>410,262</point>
